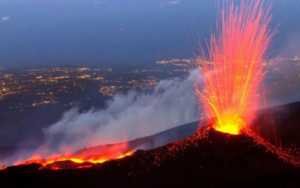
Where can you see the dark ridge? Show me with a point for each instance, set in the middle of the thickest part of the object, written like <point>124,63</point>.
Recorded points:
<point>205,159</point>
<point>215,160</point>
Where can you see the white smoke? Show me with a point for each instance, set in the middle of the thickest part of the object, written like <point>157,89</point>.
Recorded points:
<point>128,117</point>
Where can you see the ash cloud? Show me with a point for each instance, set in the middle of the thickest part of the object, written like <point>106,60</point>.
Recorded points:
<point>128,117</point>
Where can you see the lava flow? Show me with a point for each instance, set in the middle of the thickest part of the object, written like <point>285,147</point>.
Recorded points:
<point>81,159</point>
<point>236,56</point>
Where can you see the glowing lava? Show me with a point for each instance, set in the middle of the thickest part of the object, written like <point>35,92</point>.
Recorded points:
<point>83,158</point>
<point>235,69</point>
<point>231,124</point>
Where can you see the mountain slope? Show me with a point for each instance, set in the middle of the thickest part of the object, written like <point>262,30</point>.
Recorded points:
<point>204,159</point>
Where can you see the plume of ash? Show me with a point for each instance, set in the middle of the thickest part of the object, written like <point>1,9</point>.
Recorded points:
<point>127,117</point>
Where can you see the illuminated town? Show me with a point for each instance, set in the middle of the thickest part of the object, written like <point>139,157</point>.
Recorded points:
<point>59,85</point>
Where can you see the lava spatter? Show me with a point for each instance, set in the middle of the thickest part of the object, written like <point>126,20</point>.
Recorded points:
<point>233,75</point>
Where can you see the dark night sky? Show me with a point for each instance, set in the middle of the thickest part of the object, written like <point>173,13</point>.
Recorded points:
<point>90,32</point>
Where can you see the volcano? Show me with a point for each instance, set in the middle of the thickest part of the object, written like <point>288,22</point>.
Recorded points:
<point>206,158</point>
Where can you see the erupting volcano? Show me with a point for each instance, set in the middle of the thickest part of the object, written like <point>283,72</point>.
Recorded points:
<point>227,146</point>
<point>232,83</point>
<point>233,76</point>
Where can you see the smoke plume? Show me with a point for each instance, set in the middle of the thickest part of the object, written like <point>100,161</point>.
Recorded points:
<point>128,116</point>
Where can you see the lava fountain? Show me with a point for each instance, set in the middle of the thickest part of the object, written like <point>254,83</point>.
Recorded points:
<point>235,68</point>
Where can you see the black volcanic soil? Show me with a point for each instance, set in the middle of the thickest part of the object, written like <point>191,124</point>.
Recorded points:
<point>212,159</point>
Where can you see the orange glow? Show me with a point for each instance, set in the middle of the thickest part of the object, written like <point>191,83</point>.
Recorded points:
<point>2,166</point>
<point>230,124</point>
<point>95,155</point>
<point>235,69</point>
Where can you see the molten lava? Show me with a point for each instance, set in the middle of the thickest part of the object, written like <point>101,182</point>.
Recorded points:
<point>235,69</point>
<point>230,123</point>
<point>82,158</point>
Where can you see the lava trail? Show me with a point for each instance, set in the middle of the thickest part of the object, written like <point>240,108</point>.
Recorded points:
<point>84,158</point>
